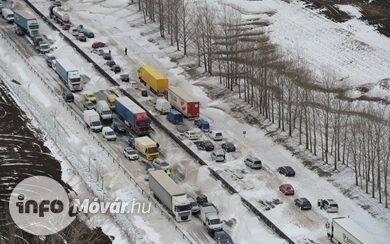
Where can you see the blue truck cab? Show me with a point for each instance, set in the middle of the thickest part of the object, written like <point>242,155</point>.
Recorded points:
<point>175,117</point>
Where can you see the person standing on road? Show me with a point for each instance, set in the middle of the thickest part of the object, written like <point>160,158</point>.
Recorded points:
<point>109,51</point>
<point>125,50</point>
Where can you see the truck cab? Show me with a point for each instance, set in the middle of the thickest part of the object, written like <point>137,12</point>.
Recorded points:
<point>146,147</point>
<point>103,110</point>
<point>43,47</point>
<point>8,14</point>
<point>175,117</point>
<point>210,218</point>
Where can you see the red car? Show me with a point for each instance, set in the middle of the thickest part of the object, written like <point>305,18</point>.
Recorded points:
<point>287,189</point>
<point>98,44</point>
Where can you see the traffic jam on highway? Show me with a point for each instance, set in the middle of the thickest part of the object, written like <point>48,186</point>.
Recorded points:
<point>126,121</point>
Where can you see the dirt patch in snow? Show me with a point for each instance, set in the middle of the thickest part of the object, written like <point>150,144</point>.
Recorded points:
<point>23,154</point>
<point>376,13</point>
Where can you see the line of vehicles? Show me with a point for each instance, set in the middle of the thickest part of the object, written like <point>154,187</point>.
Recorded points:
<point>137,119</point>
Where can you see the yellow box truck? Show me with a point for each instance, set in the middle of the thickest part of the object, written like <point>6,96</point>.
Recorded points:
<point>153,79</point>
<point>146,147</point>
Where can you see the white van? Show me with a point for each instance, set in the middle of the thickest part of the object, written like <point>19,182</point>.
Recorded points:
<point>8,14</point>
<point>216,135</point>
<point>108,133</point>
<point>163,106</point>
<point>104,110</point>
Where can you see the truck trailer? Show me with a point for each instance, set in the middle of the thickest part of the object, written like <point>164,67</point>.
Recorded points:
<point>69,74</point>
<point>60,16</point>
<point>145,146</point>
<point>132,115</point>
<point>26,22</point>
<point>153,79</point>
<point>345,230</point>
<point>183,102</point>
<point>170,194</point>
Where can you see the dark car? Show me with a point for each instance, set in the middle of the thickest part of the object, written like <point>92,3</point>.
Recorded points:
<point>204,145</point>
<point>221,237</point>
<point>119,127</point>
<point>107,56</point>
<point>68,96</point>
<point>116,68</point>
<point>125,77</point>
<point>89,33</point>
<point>228,147</point>
<point>98,44</point>
<point>286,170</point>
<point>37,39</point>
<point>19,31</point>
<point>302,203</point>
<point>110,63</point>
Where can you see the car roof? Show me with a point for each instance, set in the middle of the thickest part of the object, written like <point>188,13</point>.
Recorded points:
<point>254,158</point>
<point>218,152</point>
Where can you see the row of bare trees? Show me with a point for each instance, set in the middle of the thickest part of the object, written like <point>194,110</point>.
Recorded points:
<point>282,88</point>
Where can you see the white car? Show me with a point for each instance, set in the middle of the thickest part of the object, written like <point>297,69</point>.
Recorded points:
<point>108,133</point>
<point>130,153</point>
<point>218,156</point>
<point>159,163</point>
<point>191,135</point>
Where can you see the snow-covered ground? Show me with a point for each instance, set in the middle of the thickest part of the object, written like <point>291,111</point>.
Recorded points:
<point>358,54</point>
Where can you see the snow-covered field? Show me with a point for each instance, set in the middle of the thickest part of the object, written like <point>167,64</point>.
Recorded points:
<point>352,49</point>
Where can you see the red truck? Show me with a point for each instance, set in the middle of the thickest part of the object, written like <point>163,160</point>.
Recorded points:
<point>182,101</point>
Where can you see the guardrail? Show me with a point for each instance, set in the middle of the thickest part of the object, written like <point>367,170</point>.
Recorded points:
<point>225,184</point>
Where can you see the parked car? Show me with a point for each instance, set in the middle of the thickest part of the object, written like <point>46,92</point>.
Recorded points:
<point>218,156</point>
<point>228,147</point>
<point>116,68</point>
<point>89,33</point>
<point>194,206</point>
<point>287,189</point>
<point>19,31</point>
<point>50,60</point>
<point>68,96</point>
<point>133,84</point>
<point>81,37</point>
<point>90,97</point>
<point>108,133</point>
<point>88,105</point>
<point>204,145</point>
<point>119,127</point>
<point>110,63</point>
<point>302,203</point>
<point>159,163</point>
<point>80,28</point>
<point>130,153</point>
<point>329,205</point>
<point>253,163</point>
<point>98,44</point>
<point>99,52</point>
<point>107,56</point>
<point>125,77</point>
<point>286,170</point>
<point>75,32</point>
<point>221,237</point>
<point>191,135</point>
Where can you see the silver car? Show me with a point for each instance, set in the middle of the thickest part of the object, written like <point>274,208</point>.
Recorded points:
<point>159,163</point>
<point>218,156</point>
<point>253,163</point>
<point>130,153</point>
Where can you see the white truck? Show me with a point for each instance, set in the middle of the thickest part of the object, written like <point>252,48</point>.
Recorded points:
<point>92,119</point>
<point>345,230</point>
<point>69,74</point>
<point>104,110</point>
<point>162,106</point>
<point>170,194</point>
<point>8,14</point>
<point>210,218</point>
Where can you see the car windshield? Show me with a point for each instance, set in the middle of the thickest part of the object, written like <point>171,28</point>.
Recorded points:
<point>110,133</point>
<point>106,112</point>
<point>333,205</point>
<point>132,152</point>
<point>215,221</point>
<point>163,163</point>
<point>183,208</point>
<point>125,76</point>
<point>96,123</point>
<point>218,134</point>
<point>257,162</point>
<point>222,236</point>
<point>119,126</point>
